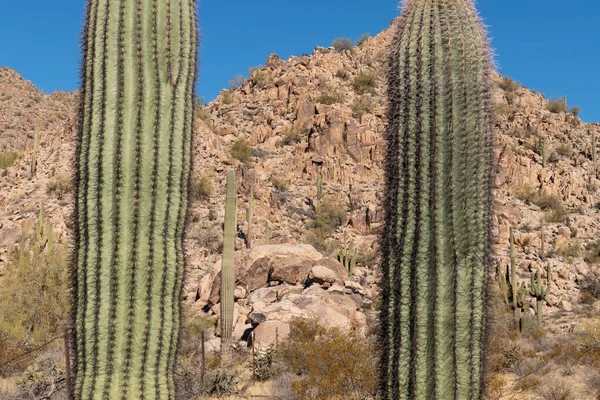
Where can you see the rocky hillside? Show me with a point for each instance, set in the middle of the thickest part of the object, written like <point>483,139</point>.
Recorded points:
<point>319,120</point>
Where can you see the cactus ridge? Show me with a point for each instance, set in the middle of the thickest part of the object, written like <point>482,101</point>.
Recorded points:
<point>138,74</point>
<point>436,247</point>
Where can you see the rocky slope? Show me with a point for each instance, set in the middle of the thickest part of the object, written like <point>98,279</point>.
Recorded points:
<point>322,117</point>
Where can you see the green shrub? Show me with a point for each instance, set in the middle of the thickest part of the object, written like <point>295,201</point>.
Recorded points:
<point>226,97</point>
<point>363,105</point>
<point>201,187</point>
<point>564,150</point>
<point>330,96</point>
<point>328,216</point>
<point>364,38</point>
<point>279,184</point>
<point>205,116</point>
<point>341,44</point>
<point>552,204</point>
<point>575,110</point>
<point>364,82</point>
<point>291,135</point>
<point>329,363</point>
<point>241,150</point>
<point>60,186</point>
<point>569,251</point>
<point>509,85</point>
<point>7,159</point>
<point>259,77</point>
<point>342,74</point>
<point>556,106</point>
<point>237,81</point>
<point>34,291</point>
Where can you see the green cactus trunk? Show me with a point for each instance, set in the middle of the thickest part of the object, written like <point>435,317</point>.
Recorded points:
<point>133,165</point>
<point>36,148</point>
<point>250,215</point>
<point>436,249</point>
<point>228,267</point>
<point>542,146</point>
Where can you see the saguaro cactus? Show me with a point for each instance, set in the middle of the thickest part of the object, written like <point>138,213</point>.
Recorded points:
<point>250,214</point>
<point>227,266</point>
<point>436,245</point>
<point>36,148</point>
<point>133,164</point>
<point>537,290</point>
<point>542,147</point>
<point>513,293</point>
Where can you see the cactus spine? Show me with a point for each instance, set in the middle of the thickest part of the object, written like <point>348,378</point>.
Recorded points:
<point>36,148</point>
<point>538,291</point>
<point>436,243</point>
<point>133,165</point>
<point>228,268</point>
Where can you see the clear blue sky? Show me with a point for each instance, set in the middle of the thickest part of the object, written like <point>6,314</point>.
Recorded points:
<point>548,45</point>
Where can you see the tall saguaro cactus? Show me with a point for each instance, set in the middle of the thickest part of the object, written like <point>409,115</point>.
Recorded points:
<point>228,267</point>
<point>133,165</point>
<point>436,244</point>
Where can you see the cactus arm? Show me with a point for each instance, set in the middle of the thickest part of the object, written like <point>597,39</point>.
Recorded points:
<point>250,215</point>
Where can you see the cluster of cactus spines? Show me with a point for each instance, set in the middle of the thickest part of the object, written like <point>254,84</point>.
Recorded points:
<point>36,148</point>
<point>347,257</point>
<point>537,290</point>
<point>250,215</point>
<point>542,147</point>
<point>268,232</point>
<point>133,167</point>
<point>228,266</point>
<point>436,248</point>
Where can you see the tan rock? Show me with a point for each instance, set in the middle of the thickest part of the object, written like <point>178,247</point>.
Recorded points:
<point>270,333</point>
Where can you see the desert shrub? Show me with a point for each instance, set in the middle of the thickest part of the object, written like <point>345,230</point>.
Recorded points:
<point>367,257</point>
<point>226,97</point>
<point>34,292</point>
<point>60,186</point>
<point>236,81</point>
<point>575,110</point>
<point>526,193</point>
<point>556,106</point>
<point>329,363</point>
<point>241,150</point>
<point>589,344</point>
<point>555,390</point>
<point>258,76</point>
<point>45,379</point>
<point>590,286</point>
<point>592,382</point>
<point>291,135</point>
<point>341,44</point>
<point>330,96</point>
<point>363,105</point>
<point>207,236</point>
<point>342,74</point>
<point>569,251</point>
<point>328,216</point>
<point>204,115</point>
<point>364,82</point>
<point>201,187</point>
<point>280,185</point>
<point>553,205</point>
<point>508,85</point>
<point>592,255</point>
<point>7,159</point>
<point>591,187</point>
<point>564,150</point>
<point>364,38</point>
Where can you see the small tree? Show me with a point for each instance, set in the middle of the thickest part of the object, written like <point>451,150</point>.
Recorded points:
<point>341,44</point>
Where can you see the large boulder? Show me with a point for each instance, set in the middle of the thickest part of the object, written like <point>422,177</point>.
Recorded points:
<point>283,311</point>
<point>270,333</point>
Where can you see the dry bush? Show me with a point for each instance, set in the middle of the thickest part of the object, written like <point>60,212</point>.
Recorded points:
<point>330,96</point>
<point>565,150</point>
<point>328,216</point>
<point>508,85</point>
<point>363,105</point>
<point>365,82</point>
<point>555,390</point>
<point>34,293</point>
<point>60,186</point>
<point>241,150</point>
<point>201,188</point>
<point>7,159</point>
<point>329,363</point>
<point>341,44</point>
<point>556,106</point>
